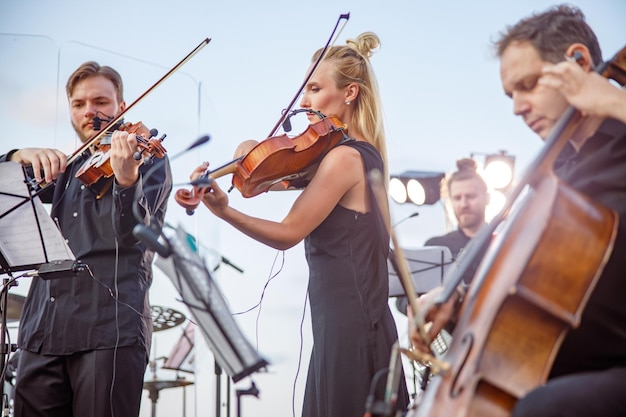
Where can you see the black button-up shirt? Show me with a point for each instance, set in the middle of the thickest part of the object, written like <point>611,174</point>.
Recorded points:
<point>72,314</point>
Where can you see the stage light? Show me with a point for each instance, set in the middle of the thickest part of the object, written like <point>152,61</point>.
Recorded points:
<point>498,170</point>
<point>497,199</point>
<point>417,187</point>
<point>397,190</point>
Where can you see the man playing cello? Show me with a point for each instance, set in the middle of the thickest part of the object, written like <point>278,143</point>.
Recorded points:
<point>546,66</point>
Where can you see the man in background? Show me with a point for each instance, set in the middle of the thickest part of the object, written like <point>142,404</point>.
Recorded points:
<point>468,196</point>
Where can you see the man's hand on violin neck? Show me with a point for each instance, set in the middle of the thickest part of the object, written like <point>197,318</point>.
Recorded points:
<point>125,167</point>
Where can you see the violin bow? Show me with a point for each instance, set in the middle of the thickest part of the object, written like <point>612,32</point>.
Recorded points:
<point>399,263</point>
<point>331,40</point>
<point>112,122</point>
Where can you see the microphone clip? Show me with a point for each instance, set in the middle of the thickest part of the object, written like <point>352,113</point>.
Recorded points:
<point>97,121</point>
<point>287,123</point>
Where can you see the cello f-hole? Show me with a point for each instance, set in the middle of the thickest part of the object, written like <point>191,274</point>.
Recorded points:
<point>456,388</point>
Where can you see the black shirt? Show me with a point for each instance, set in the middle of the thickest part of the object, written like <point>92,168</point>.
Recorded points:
<point>598,170</point>
<point>73,314</point>
<point>455,241</point>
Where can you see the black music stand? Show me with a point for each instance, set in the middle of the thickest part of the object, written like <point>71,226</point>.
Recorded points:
<point>29,241</point>
<point>427,265</point>
<point>29,236</point>
<point>201,295</point>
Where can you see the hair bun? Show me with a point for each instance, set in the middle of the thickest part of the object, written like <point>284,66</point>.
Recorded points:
<point>466,164</point>
<point>365,43</point>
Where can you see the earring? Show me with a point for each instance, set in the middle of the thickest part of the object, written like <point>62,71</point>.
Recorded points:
<point>347,102</point>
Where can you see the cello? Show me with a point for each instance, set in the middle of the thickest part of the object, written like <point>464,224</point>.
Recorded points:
<point>514,319</point>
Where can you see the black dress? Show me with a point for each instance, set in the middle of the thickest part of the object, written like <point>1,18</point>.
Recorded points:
<point>353,329</point>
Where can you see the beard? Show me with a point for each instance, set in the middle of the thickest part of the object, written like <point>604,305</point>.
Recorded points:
<point>85,133</point>
<point>470,220</point>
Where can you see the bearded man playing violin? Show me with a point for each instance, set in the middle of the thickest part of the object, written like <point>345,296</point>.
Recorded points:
<point>85,341</point>
<point>546,66</point>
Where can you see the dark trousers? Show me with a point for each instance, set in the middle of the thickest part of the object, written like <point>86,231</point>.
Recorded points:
<point>80,384</point>
<point>587,394</point>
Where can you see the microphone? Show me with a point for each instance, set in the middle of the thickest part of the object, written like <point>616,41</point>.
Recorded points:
<point>229,263</point>
<point>407,218</point>
<point>287,122</point>
<point>200,141</point>
<point>146,235</point>
<point>97,121</point>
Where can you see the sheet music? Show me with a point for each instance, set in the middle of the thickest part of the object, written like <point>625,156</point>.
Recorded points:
<point>427,265</point>
<point>21,243</point>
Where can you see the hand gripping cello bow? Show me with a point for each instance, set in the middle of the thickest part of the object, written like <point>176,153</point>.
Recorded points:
<point>277,162</point>
<point>513,320</point>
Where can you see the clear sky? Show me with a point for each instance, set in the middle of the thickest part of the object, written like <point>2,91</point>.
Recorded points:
<point>441,96</point>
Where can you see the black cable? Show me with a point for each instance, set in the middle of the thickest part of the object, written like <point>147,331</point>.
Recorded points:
<point>371,397</point>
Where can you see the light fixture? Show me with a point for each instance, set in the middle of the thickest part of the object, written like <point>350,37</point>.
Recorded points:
<point>417,187</point>
<point>498,170</point>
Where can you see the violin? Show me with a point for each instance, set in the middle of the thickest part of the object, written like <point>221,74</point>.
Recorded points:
<point>278,159</point>
<point>98,165</point>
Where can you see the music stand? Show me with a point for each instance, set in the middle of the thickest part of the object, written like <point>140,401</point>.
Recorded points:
<point>427,265</point>
<point>206,303</point>
<point>22,217</point>
<point>181,356</point>
<point>30,240</point>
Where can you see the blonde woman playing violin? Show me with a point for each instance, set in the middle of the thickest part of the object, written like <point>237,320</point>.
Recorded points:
<point>346,242</point>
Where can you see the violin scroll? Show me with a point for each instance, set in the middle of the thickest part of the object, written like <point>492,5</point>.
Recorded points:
<point>190,199</point>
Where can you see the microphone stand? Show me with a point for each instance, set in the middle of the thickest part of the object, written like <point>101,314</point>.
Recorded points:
<point>5,350</point>
<point>250,391</point>
<point>218,389</point>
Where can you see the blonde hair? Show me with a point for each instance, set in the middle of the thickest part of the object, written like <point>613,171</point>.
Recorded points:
<point>93,69</point>
<point>351,65</point>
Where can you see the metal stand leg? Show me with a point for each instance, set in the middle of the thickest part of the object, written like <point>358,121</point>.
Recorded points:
<point>250,391</point>
<point>5,350</point>
<point>218,389</point>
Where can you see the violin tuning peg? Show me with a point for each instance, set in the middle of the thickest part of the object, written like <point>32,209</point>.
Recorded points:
<point>137,156</point>
<point>153,132</point>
